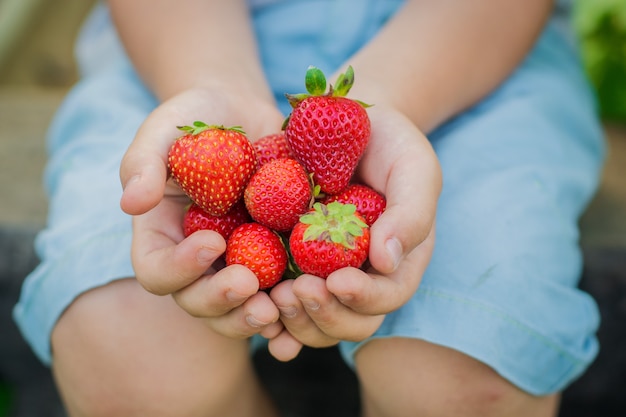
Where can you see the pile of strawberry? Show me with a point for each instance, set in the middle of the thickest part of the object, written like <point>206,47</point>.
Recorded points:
<point>285,204</point>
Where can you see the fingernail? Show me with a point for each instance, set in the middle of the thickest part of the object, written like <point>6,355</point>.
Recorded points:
<point>394,249</point>
<point>205,256</point>
<point>132,180</point>
<point>254,322</point>
<point>310,304</point>
<point>289,312</point>
<point>235,297</point>
<point>345,298</point>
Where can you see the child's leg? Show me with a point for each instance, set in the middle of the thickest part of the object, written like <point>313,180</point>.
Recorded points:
<point>120,351</point>
<point>116,349</point>
<point>409,377</point>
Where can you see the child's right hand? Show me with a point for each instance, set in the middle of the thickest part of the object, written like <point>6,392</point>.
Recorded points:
<point>164,261</point>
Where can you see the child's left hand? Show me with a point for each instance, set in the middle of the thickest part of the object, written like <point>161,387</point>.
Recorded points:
<point>351,304</point>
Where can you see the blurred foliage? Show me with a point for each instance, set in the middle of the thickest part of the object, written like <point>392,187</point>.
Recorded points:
<point>5,399</point>
<point>601,25</point>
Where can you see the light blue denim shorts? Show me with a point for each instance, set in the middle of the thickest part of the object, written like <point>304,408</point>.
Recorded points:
<point>519,168</point>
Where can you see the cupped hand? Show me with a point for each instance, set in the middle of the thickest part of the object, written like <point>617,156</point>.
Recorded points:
<point>164,261</point>
<point>351,304</point>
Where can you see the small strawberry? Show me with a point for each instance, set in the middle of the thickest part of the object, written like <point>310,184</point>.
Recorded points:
<point>369,203</point>
<point>197,219</point>
<point>259,249</point>
<point>329,237</point>
<point>278,194</point>
<point>270,147</point>
<point>328,132</point>
<point>212,165</point>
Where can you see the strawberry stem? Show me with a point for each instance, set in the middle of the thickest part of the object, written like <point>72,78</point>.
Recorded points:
<point>315,81</point>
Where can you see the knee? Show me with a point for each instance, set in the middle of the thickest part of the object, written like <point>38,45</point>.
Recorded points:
<point>407,377</point>
<point>119,351</point>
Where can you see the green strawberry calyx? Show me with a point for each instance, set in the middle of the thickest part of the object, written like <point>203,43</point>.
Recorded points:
<point>199,127</point>
<point>334,222</point>
<point>315,83</point>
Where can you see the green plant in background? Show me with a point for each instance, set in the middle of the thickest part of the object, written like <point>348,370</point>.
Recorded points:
<point>5,399</point>
<point>601,25</point>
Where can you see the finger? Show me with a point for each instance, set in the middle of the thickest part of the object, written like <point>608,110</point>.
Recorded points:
<point>143,169</point>
<point>411,187</point>
<point>295,317</point>
<point>284,347</point>
<point>254,316</point>
<point>272,330</point>
<point>375,294</point>
<point>164,262</point>
<point>331,317</point>
<point>170,268</point>
<point>217,294</point>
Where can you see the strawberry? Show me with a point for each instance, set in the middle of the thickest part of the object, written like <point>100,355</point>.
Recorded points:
<point>369,203</point>
<point>278,194</point>
<point>259,249</point>
<point>329,237</point>
<point>212,165</point>
<point>327,132</point>
<point>197,219</point>
<point>270,147</point>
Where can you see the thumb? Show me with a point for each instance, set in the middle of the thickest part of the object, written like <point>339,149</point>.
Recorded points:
<point>143,169</point>
<point>412,186</point>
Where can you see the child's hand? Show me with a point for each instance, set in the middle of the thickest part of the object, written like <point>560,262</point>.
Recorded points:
<point>350,304</point>
<point>164,261</point>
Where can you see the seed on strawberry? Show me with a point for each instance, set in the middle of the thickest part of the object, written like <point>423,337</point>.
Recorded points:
<point>197,219</point>
<point>328,132</point>
<point>329,237</point>
<point>212,165</point>
<point>278,194</point>
<point>259,249</point>
<point>270,147</point>
<point>369,203</point>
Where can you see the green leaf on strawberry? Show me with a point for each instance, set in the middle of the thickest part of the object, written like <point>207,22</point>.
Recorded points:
<point>335,219</point>
<point>315,81</point>
<point>329,237</point>
<point>199,127</point>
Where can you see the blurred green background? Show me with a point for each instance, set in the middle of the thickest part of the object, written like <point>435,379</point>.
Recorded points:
<point>601,25</point>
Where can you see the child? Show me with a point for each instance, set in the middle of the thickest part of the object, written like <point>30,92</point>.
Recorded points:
<point>487,321</point>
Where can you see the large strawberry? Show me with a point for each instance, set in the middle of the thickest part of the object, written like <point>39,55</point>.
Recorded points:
<point>212,165</point>
<point>259,249</point>
<point>197,219</point>
<point>327,131</point>
<point>278,194</point>
<point>369,203</point>
<point>329,237</point>
<point>270,147</point>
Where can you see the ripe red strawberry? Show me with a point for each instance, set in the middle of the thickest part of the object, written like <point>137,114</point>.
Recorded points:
<point>278,194</point>
<point>270,147</point>
<point>260,250</point>
<point>197,219</point>
<point>369,203</point>
<point>329,237</point>
<point>328,132</point>
<point>212,165</point>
